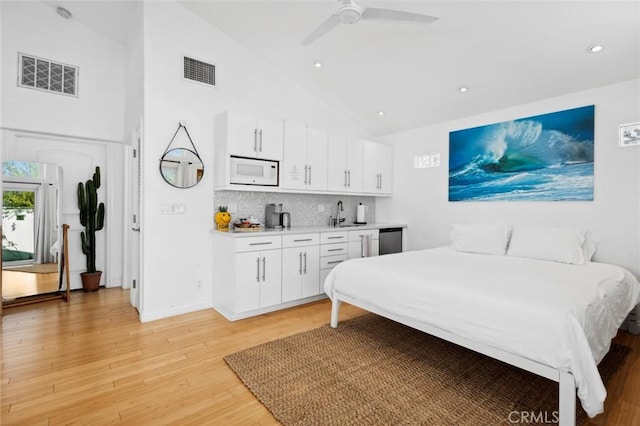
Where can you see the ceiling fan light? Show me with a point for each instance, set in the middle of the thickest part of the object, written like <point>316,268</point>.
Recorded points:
<point>350,14</point>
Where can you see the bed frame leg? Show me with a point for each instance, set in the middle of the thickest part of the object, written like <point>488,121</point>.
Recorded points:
<point>567,415</point>
<point>335,309</point>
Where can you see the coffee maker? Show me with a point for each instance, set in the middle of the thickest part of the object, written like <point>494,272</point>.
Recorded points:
<point>275,218</point>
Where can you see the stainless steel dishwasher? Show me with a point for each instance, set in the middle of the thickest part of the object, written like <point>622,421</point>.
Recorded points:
<point>390,240</point>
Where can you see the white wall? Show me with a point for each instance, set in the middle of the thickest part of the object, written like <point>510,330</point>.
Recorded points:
<point>34,28</point>
<point>421,195</point>
<point>177,249</point>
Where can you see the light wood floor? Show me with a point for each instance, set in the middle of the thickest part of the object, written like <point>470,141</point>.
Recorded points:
<point>92,362</point>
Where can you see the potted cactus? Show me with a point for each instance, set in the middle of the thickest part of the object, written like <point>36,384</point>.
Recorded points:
<point>92,218</point>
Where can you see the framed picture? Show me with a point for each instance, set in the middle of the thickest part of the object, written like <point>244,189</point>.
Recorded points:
<point>546,157</point>
<point>629,134</point>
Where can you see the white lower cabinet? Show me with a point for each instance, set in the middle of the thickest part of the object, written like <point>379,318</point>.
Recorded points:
<point>363,243</point>
<point>258,279</point>
<point>333,251</point>
<point>300,266</point>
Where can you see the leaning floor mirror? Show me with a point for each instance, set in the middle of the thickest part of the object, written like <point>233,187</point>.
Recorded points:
<point>31,231</point>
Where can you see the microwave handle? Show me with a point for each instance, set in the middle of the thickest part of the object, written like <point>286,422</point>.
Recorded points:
<point>260,140</point>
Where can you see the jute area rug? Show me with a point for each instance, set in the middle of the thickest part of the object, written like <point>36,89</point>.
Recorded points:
<point>374,371</point>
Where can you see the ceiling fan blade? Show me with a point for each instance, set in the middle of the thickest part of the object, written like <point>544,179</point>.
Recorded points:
<point>324,28</point>
<point>372,13</point>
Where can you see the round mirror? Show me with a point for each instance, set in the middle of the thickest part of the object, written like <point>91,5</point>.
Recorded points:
<point>181,167</point>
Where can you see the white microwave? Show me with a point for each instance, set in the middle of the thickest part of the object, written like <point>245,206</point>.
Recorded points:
<point>253,171</point>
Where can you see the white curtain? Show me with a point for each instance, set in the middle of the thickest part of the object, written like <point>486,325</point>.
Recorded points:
<point>45,224</point>
<point>186,175</point>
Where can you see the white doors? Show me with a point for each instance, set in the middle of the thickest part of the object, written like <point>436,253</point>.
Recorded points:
<point>305,158</point>
<point>344,164</point>
<point>255,138</point>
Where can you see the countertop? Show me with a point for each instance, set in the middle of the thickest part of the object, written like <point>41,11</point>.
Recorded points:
<point>306,229</point>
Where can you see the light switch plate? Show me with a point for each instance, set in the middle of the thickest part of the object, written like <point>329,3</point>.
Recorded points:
<point>172,208</point>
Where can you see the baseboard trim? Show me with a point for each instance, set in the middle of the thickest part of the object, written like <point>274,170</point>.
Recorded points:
<point>172,312</point>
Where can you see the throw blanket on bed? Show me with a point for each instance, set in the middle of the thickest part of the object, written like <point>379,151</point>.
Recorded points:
<point>557,314</point>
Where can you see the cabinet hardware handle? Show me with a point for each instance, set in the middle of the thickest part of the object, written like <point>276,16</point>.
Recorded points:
<point>260,140</point>
<point>264,268</point>
<point>334,262</point>
<point>361,245</point>
<point>349,174</point>
<point>300,265</point>
<point>305,239</point>
<point>335,238</point>
<point>305,263</point>
<point>261,244</point>
<point>305,174</point>
<point>340,249</point>
<point>258,275</point>
<point>309,175</point>
<point>255,140</point>
<point>345,178</point>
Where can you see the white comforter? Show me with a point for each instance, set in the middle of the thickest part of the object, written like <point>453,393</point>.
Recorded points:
<point>560,315</point>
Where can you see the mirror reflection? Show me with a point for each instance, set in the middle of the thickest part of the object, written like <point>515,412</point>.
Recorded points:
<point>181,167</point>
<point>31,231</point>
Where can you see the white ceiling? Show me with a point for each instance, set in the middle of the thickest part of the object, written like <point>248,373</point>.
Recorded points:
<point>507,52</point>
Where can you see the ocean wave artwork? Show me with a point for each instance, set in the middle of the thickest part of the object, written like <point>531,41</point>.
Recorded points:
<point>546,157</point>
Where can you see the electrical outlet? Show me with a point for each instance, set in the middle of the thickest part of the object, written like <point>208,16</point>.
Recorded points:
<point>321,208</point>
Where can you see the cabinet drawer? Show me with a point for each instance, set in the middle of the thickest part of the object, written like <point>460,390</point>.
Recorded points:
<point>258,243</point>
<point>331,261</point>
<point>355,235</point>
<point>300,240</point>
<point>333,237</point>
<point>333,249</point>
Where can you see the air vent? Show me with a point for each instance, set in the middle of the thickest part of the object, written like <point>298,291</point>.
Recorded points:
<point>46,75</point>
<point>199,71</point>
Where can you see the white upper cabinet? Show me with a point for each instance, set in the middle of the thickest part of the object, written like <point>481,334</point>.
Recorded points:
<point>251,137</point>
<point>378,167</point>
<point>305,158</point>
<point>345,164</point>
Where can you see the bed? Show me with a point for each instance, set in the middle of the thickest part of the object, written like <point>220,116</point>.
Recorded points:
<point>551,318</point>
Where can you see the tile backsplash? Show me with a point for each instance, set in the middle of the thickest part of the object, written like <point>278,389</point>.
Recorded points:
<point>304,208</point>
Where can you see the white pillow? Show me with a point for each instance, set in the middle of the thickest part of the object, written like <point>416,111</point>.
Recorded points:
<point>548,243</point>
<point>483,239</point>
<point>589,246</point>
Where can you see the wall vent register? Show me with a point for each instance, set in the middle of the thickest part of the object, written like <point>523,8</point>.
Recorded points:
<point>49,76</point>
<point>199,71</point>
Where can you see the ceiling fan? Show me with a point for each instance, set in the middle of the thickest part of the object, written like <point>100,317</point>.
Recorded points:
<point>350,13</point>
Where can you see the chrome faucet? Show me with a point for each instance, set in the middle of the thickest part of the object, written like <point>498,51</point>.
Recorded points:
<point>339,219</point>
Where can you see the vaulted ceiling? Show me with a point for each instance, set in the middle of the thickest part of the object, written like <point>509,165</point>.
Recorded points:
<point>506,52</point>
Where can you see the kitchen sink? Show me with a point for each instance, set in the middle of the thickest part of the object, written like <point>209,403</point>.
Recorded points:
<point>351,225</point>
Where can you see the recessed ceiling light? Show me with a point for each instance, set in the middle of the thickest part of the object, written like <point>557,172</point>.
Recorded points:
<point>380,113</point>
<point>595,48</point>
<point>463,89</point>
<point>63,12</point>
<point>318,64</point>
